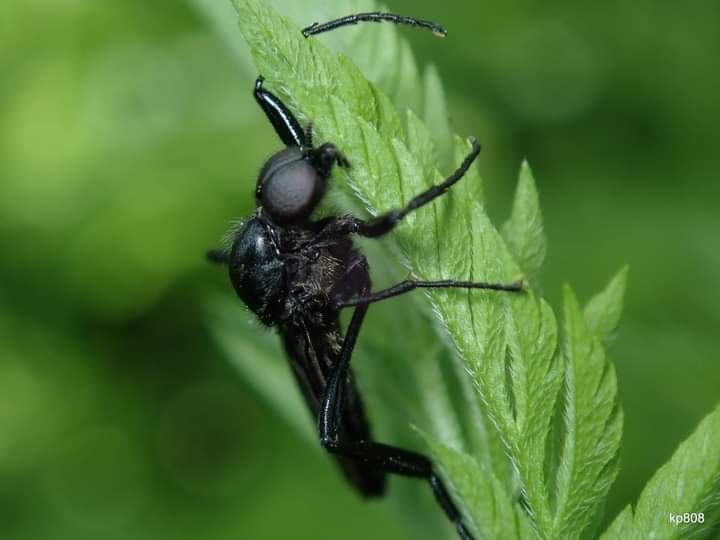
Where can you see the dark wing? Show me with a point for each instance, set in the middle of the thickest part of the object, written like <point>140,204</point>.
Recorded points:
<point>312,355</point>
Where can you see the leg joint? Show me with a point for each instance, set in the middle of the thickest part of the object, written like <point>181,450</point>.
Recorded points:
<point>330,443</point>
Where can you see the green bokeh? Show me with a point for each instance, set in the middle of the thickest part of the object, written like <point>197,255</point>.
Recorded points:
<point>129,138</point>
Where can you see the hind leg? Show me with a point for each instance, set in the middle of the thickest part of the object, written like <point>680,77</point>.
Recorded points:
<point>386,458</point>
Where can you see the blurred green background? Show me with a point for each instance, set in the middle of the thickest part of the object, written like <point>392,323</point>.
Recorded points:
<point>128,140</point>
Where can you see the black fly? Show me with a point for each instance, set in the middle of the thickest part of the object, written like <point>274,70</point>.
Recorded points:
<point>296,275</point>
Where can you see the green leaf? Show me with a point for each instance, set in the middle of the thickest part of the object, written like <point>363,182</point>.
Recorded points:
<point>592,425</point>
<point>688,484</point>
<point>435,116</point>
<point>261,362</point>
<point>488,507</point>
<point>622,527</point>
<point>602,313</point>
<point>536,374</point>
<point>523,232</point>
<point>507,343</point>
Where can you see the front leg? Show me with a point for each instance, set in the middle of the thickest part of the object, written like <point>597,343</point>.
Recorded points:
<point>412,284</point>
<point>384,223</point>
<point>374,16</point>
<point>286,125</point>
<point>384,457</point>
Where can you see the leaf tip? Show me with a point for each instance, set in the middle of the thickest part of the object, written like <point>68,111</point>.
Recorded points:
<point>526,178</point>
<point>569,296</point>
<point>621,278</point>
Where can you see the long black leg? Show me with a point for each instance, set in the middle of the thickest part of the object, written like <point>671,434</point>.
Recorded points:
<point>384,223</point>
<point>375,16</point>
<point>286,125</point>
<point>387,458</point>
<point>410,284</point>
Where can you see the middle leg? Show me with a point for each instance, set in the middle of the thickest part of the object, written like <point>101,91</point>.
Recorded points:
<point>411,284</point>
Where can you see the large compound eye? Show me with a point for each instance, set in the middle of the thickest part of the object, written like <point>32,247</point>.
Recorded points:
<point>291,193</point>
<point>289,187</point>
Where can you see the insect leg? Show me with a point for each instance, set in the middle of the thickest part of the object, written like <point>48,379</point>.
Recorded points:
<point>375,16</point>
<point>410,284</point>
<point>286,125</point>
<point>384,223</point>
<point>384,457</point>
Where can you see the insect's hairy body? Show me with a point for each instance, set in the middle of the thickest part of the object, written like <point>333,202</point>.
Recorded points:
<point>292,283</point>
<point>284,276</point>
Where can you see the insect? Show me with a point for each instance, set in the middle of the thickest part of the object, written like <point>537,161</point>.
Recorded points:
<point>297,275</point>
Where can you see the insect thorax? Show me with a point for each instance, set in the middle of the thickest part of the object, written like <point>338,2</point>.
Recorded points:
<point>281,274</point>
<point>256,270</point>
